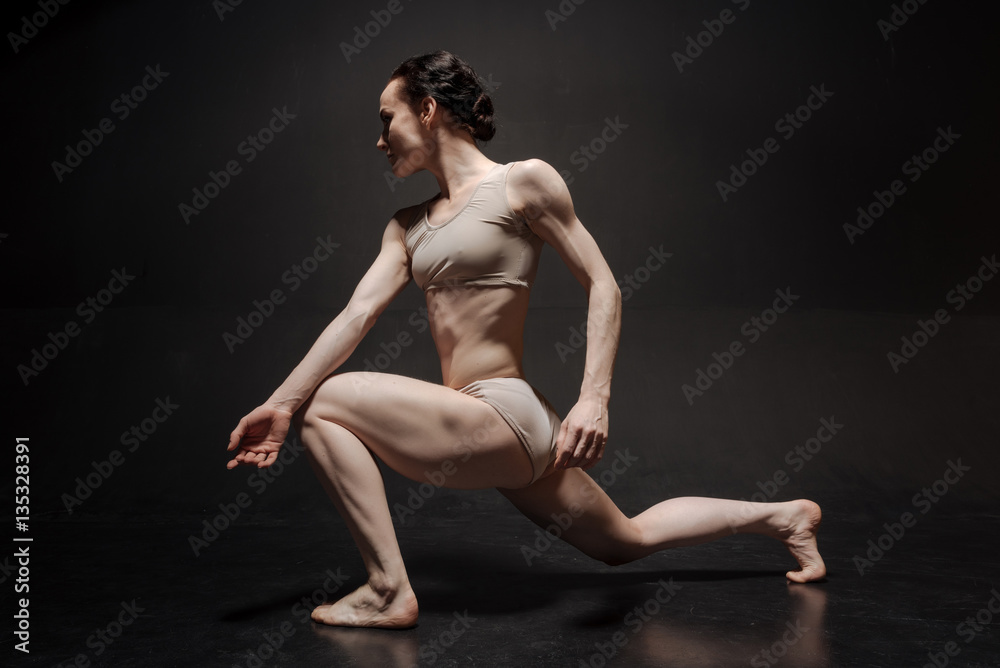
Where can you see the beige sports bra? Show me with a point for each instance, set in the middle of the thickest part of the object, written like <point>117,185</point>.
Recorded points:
<point>484,244</point>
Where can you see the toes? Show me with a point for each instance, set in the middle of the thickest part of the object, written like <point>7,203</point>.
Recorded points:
<point>808,573</point>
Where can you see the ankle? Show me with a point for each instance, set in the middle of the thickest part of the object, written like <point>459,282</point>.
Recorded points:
<point>387,586</point>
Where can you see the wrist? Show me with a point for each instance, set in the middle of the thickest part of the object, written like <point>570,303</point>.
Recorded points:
<point>600,396</point>
<point>285,405</point>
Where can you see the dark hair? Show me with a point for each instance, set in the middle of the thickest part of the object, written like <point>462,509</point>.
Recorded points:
<point>454,84</point>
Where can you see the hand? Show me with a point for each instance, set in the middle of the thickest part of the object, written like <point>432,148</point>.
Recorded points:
<point>259,436</point>
<point>583,435</point>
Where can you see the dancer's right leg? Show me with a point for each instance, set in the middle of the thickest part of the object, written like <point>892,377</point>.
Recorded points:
<point>423,431</point>
<point>351,478</point>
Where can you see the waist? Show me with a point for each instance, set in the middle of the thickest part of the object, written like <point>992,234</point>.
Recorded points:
<point>478,332</point>
<point>460,371</point>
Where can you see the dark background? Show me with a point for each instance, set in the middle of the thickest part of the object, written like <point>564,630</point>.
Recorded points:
<point>654,186</point>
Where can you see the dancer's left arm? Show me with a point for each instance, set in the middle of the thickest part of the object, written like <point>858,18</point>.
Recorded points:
<point>538,192</point>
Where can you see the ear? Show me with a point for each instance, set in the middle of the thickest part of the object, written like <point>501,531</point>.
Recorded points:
<point>428,110</point>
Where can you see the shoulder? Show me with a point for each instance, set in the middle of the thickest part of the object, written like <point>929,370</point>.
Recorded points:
<point>400,223</point>
<point>533,175</point>
<point>535,188</point>
<point>404,217</point>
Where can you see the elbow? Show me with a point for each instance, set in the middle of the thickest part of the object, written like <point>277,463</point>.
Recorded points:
<point>612,289</point>
<point>605,294</point>
<point>613,298</point>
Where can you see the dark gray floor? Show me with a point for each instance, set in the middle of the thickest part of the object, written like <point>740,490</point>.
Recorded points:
<point>482,604</point>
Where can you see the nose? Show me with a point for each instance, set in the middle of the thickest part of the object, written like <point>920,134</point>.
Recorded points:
<point>382,144</point>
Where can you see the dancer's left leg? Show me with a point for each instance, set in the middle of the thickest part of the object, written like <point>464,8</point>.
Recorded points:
<point>599,529</point>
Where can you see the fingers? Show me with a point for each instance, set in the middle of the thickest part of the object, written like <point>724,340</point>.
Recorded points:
<point>594,460</point>
<point>235,461</point>
<point>261,460</point>
<point>587,451</point>
<point>240,458</point>
<point>237,435</point>
<point>582,449</point>
<point>562,450</point>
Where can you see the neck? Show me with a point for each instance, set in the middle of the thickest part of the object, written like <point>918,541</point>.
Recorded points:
<point>456,163</point>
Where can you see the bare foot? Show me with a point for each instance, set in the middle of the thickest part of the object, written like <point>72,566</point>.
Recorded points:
<point>365,607</point>
<point>796,528</point>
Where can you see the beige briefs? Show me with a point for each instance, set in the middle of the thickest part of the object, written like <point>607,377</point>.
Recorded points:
<point>527,412</point>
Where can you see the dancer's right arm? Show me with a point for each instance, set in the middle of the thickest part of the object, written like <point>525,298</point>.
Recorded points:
<point>385,279</point>
<point>261,433</point>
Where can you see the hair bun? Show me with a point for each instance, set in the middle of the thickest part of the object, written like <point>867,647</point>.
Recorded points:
<point>454,84</point>
<point>482,112</point>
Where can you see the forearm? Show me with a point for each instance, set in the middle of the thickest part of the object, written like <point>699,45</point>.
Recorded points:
<point>604,315</point>
<point>331,349</point>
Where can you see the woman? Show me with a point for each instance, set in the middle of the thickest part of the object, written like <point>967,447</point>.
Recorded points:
<point>474,250</point>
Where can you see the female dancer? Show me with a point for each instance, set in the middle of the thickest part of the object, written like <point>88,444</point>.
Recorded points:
<point>474,249</point>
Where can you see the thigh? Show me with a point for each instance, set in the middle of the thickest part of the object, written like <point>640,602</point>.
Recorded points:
<point>422,430</point>
<point>587,517</point>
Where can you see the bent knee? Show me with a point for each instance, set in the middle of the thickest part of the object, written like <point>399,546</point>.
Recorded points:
<point>621,547</point>
<point>617,559</point>
<point>616,555</point>
<point>336,391</point>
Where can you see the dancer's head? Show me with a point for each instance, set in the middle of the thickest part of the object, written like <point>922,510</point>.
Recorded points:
<point>429,99</point>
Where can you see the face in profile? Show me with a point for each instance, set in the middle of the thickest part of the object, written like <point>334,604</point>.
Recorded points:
<point>406,141</point>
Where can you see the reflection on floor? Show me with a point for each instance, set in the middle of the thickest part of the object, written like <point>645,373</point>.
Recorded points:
<point>131,592</point>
